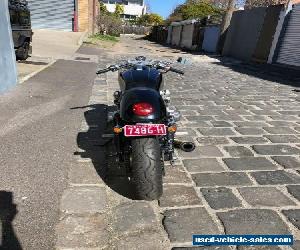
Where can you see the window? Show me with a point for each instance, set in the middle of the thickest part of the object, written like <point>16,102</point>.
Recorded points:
<point>139,2</point>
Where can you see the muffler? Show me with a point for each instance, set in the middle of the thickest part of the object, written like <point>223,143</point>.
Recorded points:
<point>184,146</point>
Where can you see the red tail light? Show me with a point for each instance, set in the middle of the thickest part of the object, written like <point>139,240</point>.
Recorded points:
<point>142,109</point>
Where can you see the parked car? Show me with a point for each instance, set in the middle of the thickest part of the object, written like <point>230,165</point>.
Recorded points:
<point>21,28</point>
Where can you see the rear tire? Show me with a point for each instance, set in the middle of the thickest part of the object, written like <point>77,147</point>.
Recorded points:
<point>147,168</point>
<point>23,52</point>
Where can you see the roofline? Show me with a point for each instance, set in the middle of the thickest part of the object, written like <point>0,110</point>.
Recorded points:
<point>184,22</point>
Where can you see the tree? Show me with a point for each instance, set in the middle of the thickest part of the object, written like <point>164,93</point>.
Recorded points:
<point>103,8</point>
<point>199,10</point>
<point>262,3</point>
<point>194,9</point>
<point>225,24</point>
<point>109,24</point>
<point>119,10</point>
<point>150,20</point>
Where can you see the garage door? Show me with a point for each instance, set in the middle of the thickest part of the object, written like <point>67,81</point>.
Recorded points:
<point>52,14</point>
<point>288,50</point>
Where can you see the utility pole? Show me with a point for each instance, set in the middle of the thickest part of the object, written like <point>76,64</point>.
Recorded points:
<point>225,24</point>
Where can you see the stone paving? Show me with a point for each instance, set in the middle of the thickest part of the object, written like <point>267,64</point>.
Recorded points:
<point>243,177</point>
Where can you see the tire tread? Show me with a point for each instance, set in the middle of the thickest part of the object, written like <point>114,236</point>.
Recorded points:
<point>146,168</point>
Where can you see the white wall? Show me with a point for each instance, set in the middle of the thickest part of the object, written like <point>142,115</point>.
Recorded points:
<point>187,36</point>
<point>170,28</point>
<point>8,69</point>
<point>176,35</point>
<point>130,9</point>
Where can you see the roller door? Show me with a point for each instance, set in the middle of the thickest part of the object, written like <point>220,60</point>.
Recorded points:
<point>288,50</point>
<point>52,14</point>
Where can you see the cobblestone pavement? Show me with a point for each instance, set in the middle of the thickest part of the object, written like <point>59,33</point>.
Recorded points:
<point>243,177</point>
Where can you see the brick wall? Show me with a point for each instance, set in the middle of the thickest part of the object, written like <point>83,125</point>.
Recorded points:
<point>83,15</point>
<point>87,12</point>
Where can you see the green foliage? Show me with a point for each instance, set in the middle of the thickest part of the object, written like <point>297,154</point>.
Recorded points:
<point>150,20</point>
<point>199,10</point>
<point>103,8</point>
<point>119,10</point>
<point>194,9</point>
<point>104,38</point>
<point>109,24</point>
<point>103,41</point>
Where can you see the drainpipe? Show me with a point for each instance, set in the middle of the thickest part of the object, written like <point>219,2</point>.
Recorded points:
<point>75,27</point>
<point>94,17</point>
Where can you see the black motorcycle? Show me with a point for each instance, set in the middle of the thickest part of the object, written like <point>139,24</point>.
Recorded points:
<point>144,124</point>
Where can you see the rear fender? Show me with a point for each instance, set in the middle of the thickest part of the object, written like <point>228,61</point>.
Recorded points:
<point>136,95</point>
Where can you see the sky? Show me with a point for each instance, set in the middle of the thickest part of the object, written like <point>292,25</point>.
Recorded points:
<point>163,7</point>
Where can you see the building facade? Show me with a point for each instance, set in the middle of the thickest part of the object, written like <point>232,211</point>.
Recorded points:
<point>132,8</point>
<point>68,15</point>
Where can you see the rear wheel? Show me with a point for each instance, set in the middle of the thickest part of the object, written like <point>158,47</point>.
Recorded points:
<point>147,168</point>
<point>23,51</point>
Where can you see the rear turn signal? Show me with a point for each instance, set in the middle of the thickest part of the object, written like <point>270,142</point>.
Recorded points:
<point>172,129</point>
<point>117,130</point>
<point>142,109</point>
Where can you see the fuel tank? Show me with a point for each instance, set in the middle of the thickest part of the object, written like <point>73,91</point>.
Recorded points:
<point>145,77</point>
<point>138,95</point>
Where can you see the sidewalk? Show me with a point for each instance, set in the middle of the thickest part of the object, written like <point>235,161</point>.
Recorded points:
<point>56,44</point>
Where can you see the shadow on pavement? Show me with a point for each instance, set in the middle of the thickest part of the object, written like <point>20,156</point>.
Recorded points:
<point>102,152</point>
<point>8,211</point>
<point>281,74</point>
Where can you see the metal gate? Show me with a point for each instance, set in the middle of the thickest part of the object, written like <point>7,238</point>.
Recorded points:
<point>288,48</point>
<point>52,14</point>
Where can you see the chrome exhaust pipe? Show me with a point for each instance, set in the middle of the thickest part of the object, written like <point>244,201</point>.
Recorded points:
<point>185,146</point>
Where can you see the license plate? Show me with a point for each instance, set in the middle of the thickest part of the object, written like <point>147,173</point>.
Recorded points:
<point>145,130</point>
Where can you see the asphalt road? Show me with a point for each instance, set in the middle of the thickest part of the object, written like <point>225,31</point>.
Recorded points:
<point>38,133</point>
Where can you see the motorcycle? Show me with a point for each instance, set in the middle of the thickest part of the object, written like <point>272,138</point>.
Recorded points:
<point>144,124</point>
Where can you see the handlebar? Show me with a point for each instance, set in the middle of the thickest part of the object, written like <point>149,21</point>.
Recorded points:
<point>102,71</point>
<point>165,66</point>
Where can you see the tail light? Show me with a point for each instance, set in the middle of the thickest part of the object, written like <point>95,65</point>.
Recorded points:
<point>142,109</point>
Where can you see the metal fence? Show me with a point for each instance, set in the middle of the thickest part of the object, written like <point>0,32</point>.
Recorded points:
<point>288,47</point>
<point>137,30</point>
<point>159,34</point>
<point>253,35</point>
<point>243,33</point>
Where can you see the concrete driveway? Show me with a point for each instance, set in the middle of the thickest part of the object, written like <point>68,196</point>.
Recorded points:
<point>55,44</point>
<point>48,46</point>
